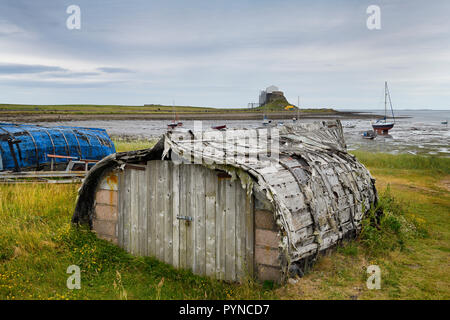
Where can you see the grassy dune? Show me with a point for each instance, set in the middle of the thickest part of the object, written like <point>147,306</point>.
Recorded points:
<point>410,244</point>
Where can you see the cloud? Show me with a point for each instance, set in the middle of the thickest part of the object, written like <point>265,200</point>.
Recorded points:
<point>12,68</point>
<point>58,84</point>
<point>114,70</point>
<point>220,53</point>
<point>8,29</point>
<point>70,74</point>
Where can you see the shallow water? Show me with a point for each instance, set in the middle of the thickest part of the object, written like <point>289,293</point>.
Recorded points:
<point>421,133</point>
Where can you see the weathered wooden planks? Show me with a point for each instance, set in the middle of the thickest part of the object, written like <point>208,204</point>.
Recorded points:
<point>175,186</point>
<point>183,193</point>
<point>165,188</point>
<point>211,183</point>
<point>249,234</point>
<point>199,221</point>
<point>230,232</point>
<point>159,210</point>
<point>142,211</point>
<point>190,226</point>
<point>317,192</point>
<point>134,212</point>
<point>153,206</point>
<point>220,228</point>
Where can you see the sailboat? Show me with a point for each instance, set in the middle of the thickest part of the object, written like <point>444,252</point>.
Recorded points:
<point>266,120</point>
<point>175,122</point>
<point>382,126</point>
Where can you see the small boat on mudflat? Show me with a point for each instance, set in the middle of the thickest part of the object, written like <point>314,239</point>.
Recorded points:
<point>369,135</point>
<point>382,126</point>
<point>175,122</point>
<point>221,127</point>
<point>172,125</point>
<point>266,121</point>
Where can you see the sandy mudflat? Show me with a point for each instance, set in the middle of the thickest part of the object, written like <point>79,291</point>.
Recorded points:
<point>36,117</point>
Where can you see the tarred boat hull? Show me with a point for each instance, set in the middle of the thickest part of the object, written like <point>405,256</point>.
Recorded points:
<point>382,128</point>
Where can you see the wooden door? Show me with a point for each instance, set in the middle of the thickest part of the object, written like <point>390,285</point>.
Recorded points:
<point>189,216</point>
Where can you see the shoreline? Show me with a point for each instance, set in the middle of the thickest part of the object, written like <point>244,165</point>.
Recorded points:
<point>57,117</point>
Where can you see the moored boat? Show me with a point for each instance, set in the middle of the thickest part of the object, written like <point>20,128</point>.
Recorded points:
<point>382,126</point>
<point>172,125</point>
<point>369,135</point>
<point>221,127</point>
<point>175,122</point>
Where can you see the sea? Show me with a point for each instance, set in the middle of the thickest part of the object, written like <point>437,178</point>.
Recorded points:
<point>415,131</point>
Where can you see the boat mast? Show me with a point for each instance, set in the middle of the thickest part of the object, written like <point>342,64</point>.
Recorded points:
<point>390,102</point>
<point>298,107</point>
<point>385,101</point>
<point>173,110</point>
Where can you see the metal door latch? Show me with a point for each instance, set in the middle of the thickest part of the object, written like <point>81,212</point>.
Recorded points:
<point>185,218</point>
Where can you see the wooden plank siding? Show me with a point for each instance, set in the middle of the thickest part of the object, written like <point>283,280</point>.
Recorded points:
<point>218,242</point>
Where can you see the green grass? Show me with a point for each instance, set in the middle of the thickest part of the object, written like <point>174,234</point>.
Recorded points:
<point>124,144</point>
<point>147,109</point>
<point>98,109</point>
<point>438,165</point>
<point>410,243</point>
<point>38,243</point>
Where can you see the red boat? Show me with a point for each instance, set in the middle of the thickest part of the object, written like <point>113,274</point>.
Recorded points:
<point>382,126</point>
<point>175,122</point>
<point>222,127</point>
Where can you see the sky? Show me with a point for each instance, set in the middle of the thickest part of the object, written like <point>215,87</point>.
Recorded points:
<point>221,53</point>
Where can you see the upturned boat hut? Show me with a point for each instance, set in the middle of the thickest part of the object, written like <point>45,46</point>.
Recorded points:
<point>228,204</point>
<point>35,147</point>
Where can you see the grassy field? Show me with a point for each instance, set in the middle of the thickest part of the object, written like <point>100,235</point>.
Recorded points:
<point>410,244</point>
<point>97,109</point>
<point>21,109</point>
<point>123,144</point>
